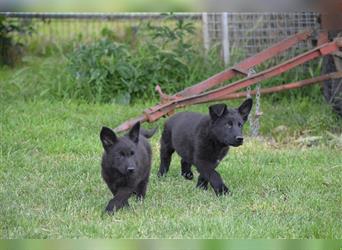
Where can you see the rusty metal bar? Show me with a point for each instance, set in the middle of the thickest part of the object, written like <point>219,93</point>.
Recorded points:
<point>245,65</point>
<point>281,88</point>
<point>128,124</point>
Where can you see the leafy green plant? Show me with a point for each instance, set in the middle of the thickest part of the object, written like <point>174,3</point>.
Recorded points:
<point>101,69</point>
<point>107,71</point>
<point>10,44</point>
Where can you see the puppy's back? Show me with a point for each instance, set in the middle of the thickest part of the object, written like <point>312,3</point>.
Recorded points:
<point>182,129</point>
<point>144,150</point>
<point>183,122</point>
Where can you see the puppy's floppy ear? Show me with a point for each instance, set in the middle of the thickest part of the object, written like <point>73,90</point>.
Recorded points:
<point>134,132</point>
<point>217,110</point>
<point>245,108</point>
<point>108,137</point>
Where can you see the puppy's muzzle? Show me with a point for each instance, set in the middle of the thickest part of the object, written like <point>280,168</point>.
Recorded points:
<point>239,139</point>
<point>130,170</point>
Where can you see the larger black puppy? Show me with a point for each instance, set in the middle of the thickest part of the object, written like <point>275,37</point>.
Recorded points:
<point>126,164</point>
<point>203,141</point>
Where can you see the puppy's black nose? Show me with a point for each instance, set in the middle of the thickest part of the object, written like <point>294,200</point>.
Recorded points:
<point>130,170</point>
<point>239,139</point>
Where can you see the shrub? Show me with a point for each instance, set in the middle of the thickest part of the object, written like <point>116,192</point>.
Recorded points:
<point>11,48</point>
<point>107,71</point>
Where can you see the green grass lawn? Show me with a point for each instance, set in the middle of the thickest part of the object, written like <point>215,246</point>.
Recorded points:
<point>51,185</point>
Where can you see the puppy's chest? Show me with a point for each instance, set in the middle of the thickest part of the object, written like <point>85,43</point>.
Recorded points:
<point>213,155</point>
<point>112,177</point>
<point>220,155</point>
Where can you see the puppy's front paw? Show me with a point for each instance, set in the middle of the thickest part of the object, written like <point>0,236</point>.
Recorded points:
<point>110,207</point>
<point>202,185</point>
<point>109,211</point>
<point>222,190</point>
<point>188,175</point>
<point>161,172</point>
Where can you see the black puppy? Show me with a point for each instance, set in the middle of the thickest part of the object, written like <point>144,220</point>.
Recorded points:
<point>126,164</point>
<point>203,141</point>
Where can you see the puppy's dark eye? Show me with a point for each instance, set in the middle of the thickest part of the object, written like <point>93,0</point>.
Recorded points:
<point>122,154</point>
<point>240,125</point>
<point>132,152</point>
<point>229,124</point>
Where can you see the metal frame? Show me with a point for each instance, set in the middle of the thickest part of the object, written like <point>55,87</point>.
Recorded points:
<point>195,94</point>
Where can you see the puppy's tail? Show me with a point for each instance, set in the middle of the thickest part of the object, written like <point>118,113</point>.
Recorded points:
<point>148,133</point>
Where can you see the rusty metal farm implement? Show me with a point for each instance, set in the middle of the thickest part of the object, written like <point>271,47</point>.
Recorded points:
<point>203,92</point>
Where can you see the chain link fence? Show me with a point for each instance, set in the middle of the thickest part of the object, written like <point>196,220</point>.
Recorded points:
<point>241,33</point>
<point>253,32</point>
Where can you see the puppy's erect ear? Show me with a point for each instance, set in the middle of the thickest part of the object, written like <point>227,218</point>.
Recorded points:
<point>217,110</point>
<point>245,108</point>
<point>134,132</point>
<point>108,137</point>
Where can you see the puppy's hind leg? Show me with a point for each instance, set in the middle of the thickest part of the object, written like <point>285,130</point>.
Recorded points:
<point>166,151</point>
<point>186,170</point>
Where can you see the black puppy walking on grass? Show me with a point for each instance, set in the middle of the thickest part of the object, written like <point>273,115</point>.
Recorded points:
<point>126,164</point>
<point>203,141</point>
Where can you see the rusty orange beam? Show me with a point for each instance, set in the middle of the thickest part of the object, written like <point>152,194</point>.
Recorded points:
<point>280,88</point>
<point>245,65</point>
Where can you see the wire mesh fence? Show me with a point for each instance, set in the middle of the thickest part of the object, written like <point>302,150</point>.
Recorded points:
<point>247,33</point>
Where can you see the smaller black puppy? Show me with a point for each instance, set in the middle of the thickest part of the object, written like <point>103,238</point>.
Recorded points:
<point>126,164</point>
<point>203,141</point>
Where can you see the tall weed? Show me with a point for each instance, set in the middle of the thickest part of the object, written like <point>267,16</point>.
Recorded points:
<point>107,71</point>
